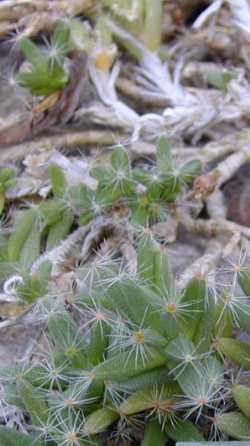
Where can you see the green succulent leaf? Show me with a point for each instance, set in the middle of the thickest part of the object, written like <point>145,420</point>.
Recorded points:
<point>51,211</point>
<point>44,78</point>
<point>23,226</point>
<point>154,396</point>
<point>99,420</point>
<point>7,178</point>
<point>10,437</point>
<point>44,82</point>
<point>157,376</point>
<point>67,338</point>
<point>120,159</point>
<point>59,230</point>
<point>33,287</point>
<point>34,403</point>
<point>32,247</point>
<point>61,36</point>
<point>241,395</point>
<point>2,201</point>
<point>58,180</point>
<point>34,54</point>
<point>184,430</point>
<point>236,350</point>
<point>164,160</point>
<point>234,424</point>
<point>124,366</point>
<point>154,434</point>
<point>244,281</point>
<point>190,171</point>
<point>221,79</point>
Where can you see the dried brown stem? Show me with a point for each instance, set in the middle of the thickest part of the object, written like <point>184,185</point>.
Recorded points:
<point>67,140</point>
<point>216,206</point>
<point>213,227</point>
<point>11,10</point>
<point>204,264</point>
<point>144,97</point>
<point>226,145</point>
<point>207,183</point>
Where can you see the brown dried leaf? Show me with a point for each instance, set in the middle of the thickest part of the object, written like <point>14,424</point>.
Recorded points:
<point>16,133</point>
<point>205,184</point>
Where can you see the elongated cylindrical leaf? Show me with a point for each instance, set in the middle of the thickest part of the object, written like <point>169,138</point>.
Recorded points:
<point>10,437</point>
<point>236,350</point>
<point>120,159</point>
<point>99,420</point>
<point>190,171</point>
<point>23,226</point>
<point>160,375</point>
<point>241,395</point>
<point>34,403</point>
<point>161,396</point>
<point>234,424</point>
<point>184,430</point>
<point>154,434</point>
<point>67,338</point>
<point>125,365</point>
<point>244,281</point>
<point>59,230</point>
<point>58,180</point>
<point>30,250</point>
<point>164,156</point>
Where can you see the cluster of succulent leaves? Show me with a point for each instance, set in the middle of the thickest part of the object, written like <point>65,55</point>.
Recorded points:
<point>131,24</point>
<point>131,357</point>
<point>144,194</point>
<point>146,362</point>
<point>48,72</point>
<point>119,182</point>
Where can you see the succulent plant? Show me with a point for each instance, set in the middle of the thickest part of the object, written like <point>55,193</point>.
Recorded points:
<point>135,357</point>
<point>144,195</point>
<point>147,192</point>
<point>125,355</point>
<point>48,72</point>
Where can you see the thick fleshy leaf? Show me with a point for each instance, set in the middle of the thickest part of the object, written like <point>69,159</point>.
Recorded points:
<point>33,53</point>
<point>34,403</point>
<point>244,281</point>
<point>67,338</point>
<point>236,350</point>
<point>190,171</point>
<point>164,160</point>
<point>184,430</point>
<point>153,397</point>
<point>58,231</point>
<point>31,247</point>
<point>23,225</point>
<point>99,420</point>
<point>124,365</point>
<point>120,160</point>
<point>51,211</point>
<point>154,434</point>
<point>58,180</point>
<point>241,395</point>
<point>2,201</point>
<point>234,424</point>
<point>10,437</point>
